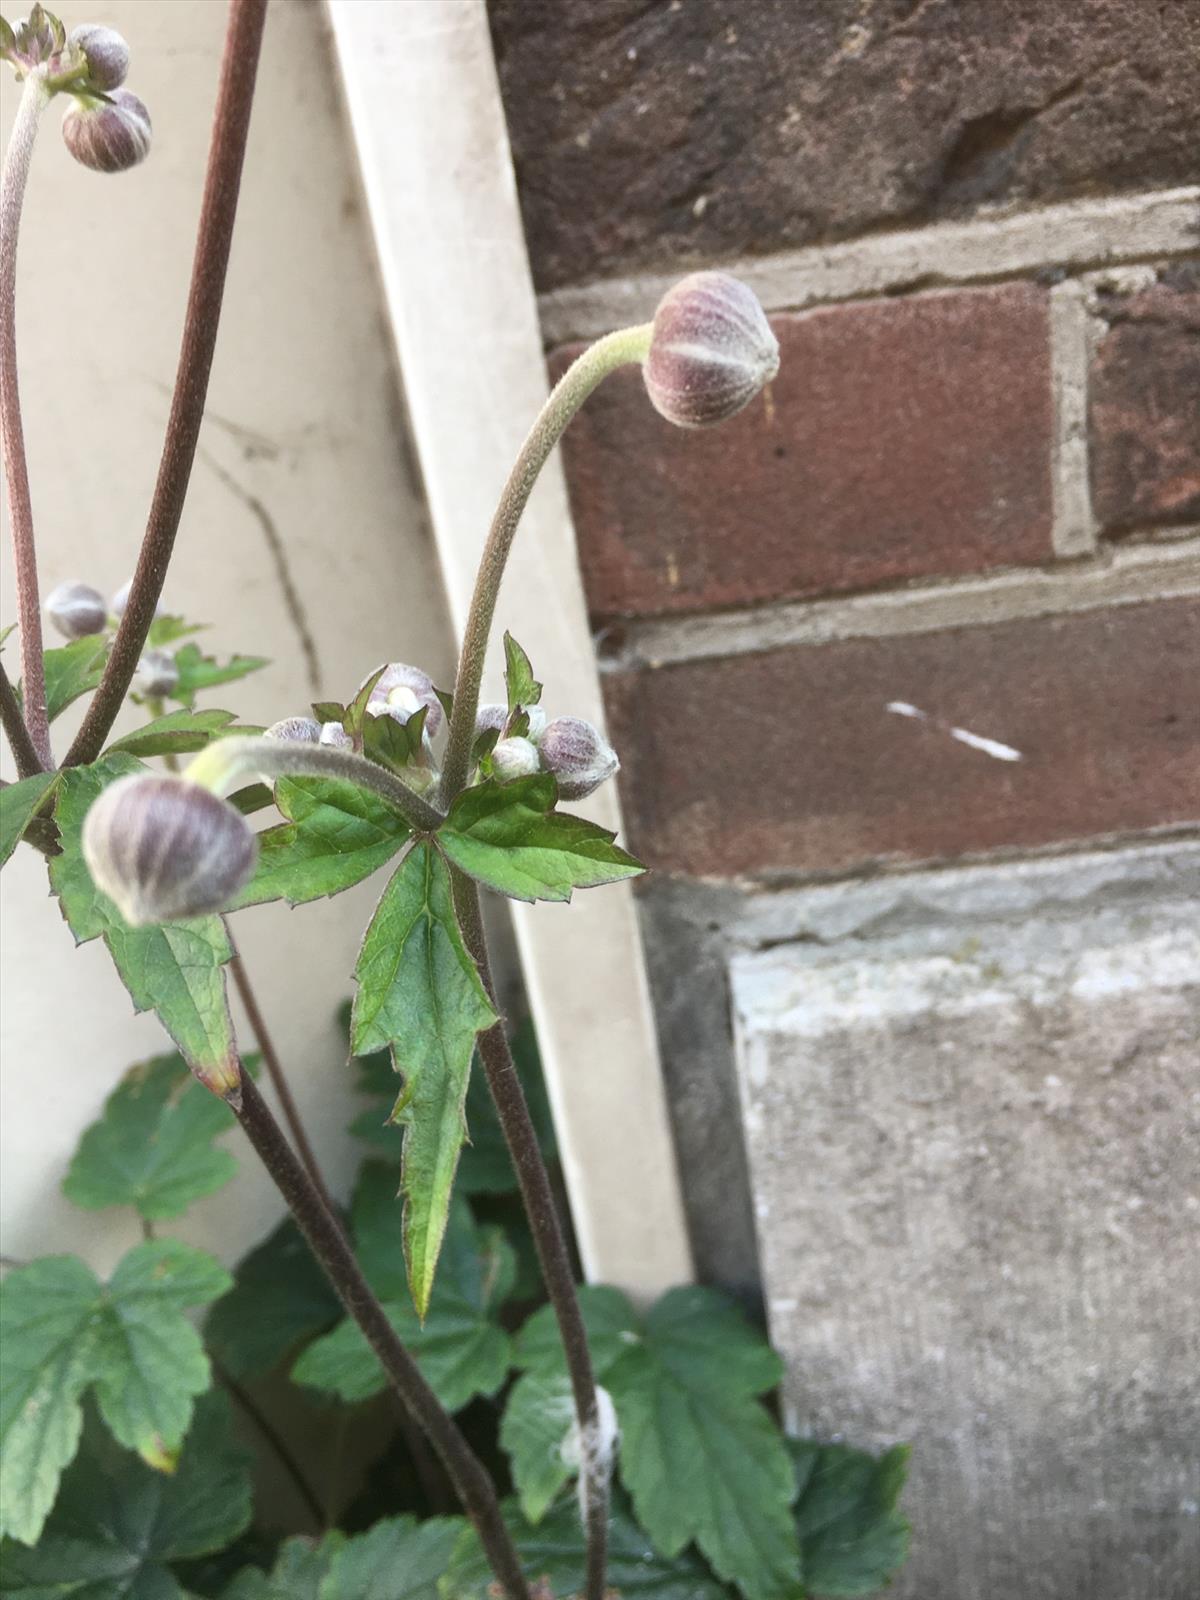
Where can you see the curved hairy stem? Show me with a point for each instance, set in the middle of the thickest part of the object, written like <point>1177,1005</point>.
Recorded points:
<point>226,763</point>
<point>235,96</point>
<point>20,504</point>
<point>538,1197</point>
<point>328,1243</point>
<point>24,754</point>
<point>592,367</point>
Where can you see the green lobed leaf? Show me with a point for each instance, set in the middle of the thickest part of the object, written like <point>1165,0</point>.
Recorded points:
<point>64,1332</point>
<point>280,1299</point>
<point>507,837</point>
<point>335,836</point>
<point>117,1525</point>
<point>398,1559</point>
<point>152,1148</point>
<point>612,1328</point>
<point>523,688</point>
<point>853,1538</point>
<point>539,1416</point>
<point>554,1552</point>
<point>19,804</point>
<point>419,993</point>
<point>176,733</point>
<point>198,671</point>
<point>72,670</point>
<point>166,629</point>
<point>174,969</point>
<point>301,1565</point>
<point>460,1347</point>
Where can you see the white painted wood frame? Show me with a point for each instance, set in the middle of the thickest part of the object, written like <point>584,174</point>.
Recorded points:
<point>424,103</point>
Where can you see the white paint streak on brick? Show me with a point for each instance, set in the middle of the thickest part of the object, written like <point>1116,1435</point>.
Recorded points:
<point>1074,525</point>
<point>1079,235</point>
<point>1159,569</point>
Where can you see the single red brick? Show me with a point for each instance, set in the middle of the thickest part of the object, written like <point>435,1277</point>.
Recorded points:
<point>1145,405</point>
<point>789,761</point>
<point>901,439</point>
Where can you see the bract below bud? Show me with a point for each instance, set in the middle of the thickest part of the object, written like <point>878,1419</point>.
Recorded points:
<point>165,849</point>
<point>711,351</point>
<point>76,610</point>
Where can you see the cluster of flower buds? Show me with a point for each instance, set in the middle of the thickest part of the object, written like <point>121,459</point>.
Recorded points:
<point>711,350</point>
<point>76,610</point>
<point>578,754</point>
<point>106,126</point>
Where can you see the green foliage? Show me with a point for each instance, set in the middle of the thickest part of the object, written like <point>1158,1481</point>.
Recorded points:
<point>279,1300</point>
<point>523,688</point>
<point>538,1419</point>
<point>508,837</point>
<point>198,671</point>
<point>72,670</point>
<point>398,1559</point>
<point>19,804</point>
<point>174,969</point>
<point>419,993</point>
<point>335,836</point>
<point>460,1347</point>
<point>117,1525</point>
<point>554,1551</point>
<point>164,630</point>
<point>153,1147</point>
<point>176,733</point>
<point>300,1569</point>
<point>392,743</point>
<point>852,1536</point>
<point>63,1332</point>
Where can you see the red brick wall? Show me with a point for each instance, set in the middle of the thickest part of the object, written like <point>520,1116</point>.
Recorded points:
<point>1020,445</point>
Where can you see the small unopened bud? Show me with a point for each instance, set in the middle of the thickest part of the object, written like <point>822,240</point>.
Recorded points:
<point>304,729</point>
<point>76,610</point>
<point>403,690</point>
<point>489,717</point>
<point>107,54</point>
<point>108,135</point>
<point>515,758</point>
<point>121,599</point>
<point>165,849</point>
<point>711,351</point>
<point>332,733</point>
<point>156,674</point>
<point>578,755</point>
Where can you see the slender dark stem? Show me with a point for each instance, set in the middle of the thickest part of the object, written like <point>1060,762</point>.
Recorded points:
<point>235,96</point>
<point>572,389</point>
<point>276,1441</point>
<point>283,1089</point>
<point>20,502</point>
<point>329,1245</point>
<point>24,754</point>
<point>549,1241</point>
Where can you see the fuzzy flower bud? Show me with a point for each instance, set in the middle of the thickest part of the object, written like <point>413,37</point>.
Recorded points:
<point>76,610</point>
<point>711,351</point>
<point>165,849</point>
<point>402,690</point>
<point>578,755</point>
<point>107,54</point>
<point>121,599</point>
<point>489,717</point>
<point>108,135</point>
<point>333,734</point>
<point>515,758</point>
<point>156,674</point>
<point>305,729</point>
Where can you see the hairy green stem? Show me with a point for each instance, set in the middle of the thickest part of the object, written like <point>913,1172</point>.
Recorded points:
<point>593,366</point>
<point>225,763</point>
<point>17,158</point>
<point>520,1135</point>
<point>329,1245</point>
<point>222,181</point>
<point>24,754</point>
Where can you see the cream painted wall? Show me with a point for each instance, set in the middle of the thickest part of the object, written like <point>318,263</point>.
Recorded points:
<point>304,417</point>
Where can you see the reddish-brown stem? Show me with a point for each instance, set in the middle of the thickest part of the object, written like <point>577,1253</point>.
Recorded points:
<point>25,756</point>
<point>231,124</point>
<point>20,502</point>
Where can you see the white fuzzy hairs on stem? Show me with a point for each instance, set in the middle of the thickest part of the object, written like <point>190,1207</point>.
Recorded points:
<point>592,1451</point>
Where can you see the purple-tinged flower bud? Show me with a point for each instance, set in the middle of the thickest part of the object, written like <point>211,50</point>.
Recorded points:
<point>332,733</point>
<point>304,729</point>
<point>489,717</point>
<point>165,849</point>
<point>537,723</point>
<point>108,135</point>
<point>156,674</point>
<point>402,690</point>
<point>578,755</point>
<point>107,54</point>
<point>515,758</point>
<point>711,351</point>
<point>76,610</point>
<point>120,600</point>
